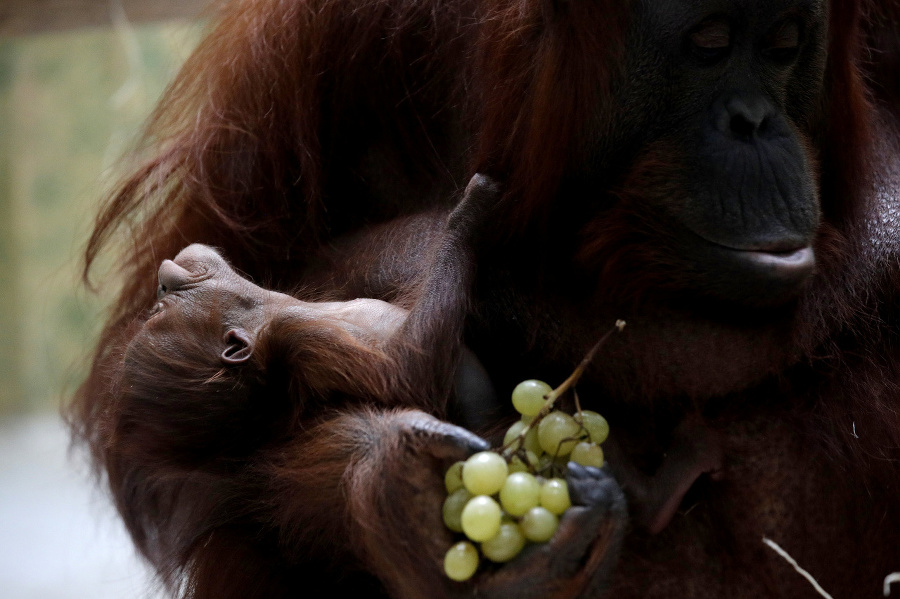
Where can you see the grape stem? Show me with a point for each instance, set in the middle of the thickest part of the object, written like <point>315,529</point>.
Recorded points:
<point>565,386</point>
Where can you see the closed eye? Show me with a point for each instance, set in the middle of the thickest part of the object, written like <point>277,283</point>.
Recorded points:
<point>782,44</point>
<point>710,41</point>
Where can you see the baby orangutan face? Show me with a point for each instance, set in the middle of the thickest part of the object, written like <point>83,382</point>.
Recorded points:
<point>198,288</point>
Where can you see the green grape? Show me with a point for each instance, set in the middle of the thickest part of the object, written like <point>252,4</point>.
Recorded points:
<point>506,545</point>
<point>595,424</point>
<point>555,496</point>
<point>517,465</point>
<point>453,478</point>
<point>538,525</point>
<point>527,419</point>
<point>453,507</point>
<point>528,397</point>
<point>530,464</point>
<point>514,431</point>
<point>531,442</point>
<point>520,493</point>
<point>587,454</point>
<point>481,518</point>
<point>484,473</point>
<point>553,429</point>
<point>544,462</point>
<point>461,561</point>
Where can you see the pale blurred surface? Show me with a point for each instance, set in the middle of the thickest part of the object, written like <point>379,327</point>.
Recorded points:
<point>59,536</point>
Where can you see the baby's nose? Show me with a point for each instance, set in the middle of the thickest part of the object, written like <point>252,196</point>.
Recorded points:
<point>171,277</point>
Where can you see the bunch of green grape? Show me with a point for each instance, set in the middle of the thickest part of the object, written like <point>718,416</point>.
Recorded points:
<point>504,498</point>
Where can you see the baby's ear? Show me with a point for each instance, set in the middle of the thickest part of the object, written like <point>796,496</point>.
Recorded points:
<point>238,346</point>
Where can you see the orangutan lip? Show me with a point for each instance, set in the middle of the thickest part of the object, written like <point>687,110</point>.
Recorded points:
<point>787,258</point>
<point>784,248</point>
<point>759,274</point>
<point>792,264</point>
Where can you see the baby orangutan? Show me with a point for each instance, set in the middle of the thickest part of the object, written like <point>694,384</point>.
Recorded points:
<point>219,356</point>
<point>256,431</point>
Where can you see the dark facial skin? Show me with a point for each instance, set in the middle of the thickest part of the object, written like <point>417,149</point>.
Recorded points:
<point>726,90</point>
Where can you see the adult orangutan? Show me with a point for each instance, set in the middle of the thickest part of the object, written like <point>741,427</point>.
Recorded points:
<point>719,173</point>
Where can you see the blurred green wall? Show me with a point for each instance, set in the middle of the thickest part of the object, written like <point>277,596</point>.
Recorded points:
<point>70,106</point>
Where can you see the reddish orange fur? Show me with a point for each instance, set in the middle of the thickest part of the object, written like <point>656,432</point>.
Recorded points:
<point>281,137</point>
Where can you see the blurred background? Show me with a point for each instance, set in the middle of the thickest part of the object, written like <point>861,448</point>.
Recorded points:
<point>77,79</point>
